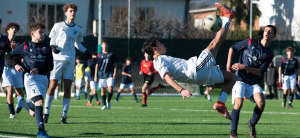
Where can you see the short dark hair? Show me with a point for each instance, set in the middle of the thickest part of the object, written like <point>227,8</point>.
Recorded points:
<point>70,5</point>
<point>77,57</point>
<point>289,49</point>
<point>95,54</point>
<point>104,41</point>
<point>0,20</point>
<point>149,44</point>
<point>129,58</point>
<point>274,28</point>
<point>10,25</point>
<point>35,26</point>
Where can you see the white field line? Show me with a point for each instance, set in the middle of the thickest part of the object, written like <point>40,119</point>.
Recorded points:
<point>3,136</point>
<point>191,110</point>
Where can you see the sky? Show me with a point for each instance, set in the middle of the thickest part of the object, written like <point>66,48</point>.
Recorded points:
<point>195,4</point>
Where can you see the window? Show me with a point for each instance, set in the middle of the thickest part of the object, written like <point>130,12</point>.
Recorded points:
<point>119,14</point>
<point>198,23</point>
<point>48,14</point>
<point>145,13</point>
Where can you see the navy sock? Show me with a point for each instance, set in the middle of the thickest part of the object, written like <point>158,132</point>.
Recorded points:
<point>284,97</point>
<point>291,97</point>
<point>11,108</point>
<point>103,99</point>
<point>6,93</point>
<point>235,114</point>
<point>134,95</point>
<point>256,115</point>
<point>25,105</point>
<point>91,98</point>
<point>39,117</point>
<point>109,96</point>
<point>117,97</point>
<point>96,97</point>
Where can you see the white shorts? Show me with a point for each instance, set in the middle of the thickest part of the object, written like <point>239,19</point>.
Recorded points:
<point>241,89</point>
<point>35,85</point>
<point>11,77</point>
<point>86,78</point>
<point>78,83</point>
<point>103,83</point>
<point>207,71</point>
<point>93,85</point>
<point>128,86</point>
<point>288,81</point>
<point>63,66</point>
<point>59,81</point>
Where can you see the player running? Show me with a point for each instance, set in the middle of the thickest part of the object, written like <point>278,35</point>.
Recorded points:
<point>126,81</point>
<point>65,36</point>
<point>107,66</point>
<point>93,85</point>
<point>148,72</point>
<point>254,60</point>
<point>38,61</point>
<point>287,69</point>
<point>196,71</point>
<point>79,74</point>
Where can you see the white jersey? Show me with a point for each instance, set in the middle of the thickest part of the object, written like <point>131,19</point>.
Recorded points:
<point>66,36</point>
<point>180,70</point>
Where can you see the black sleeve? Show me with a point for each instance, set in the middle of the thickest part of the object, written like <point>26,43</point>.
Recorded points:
<point>240,45</point>
<point>16,52</point>
<point>90,61</point>
<point>276,74</point>
<point>7,46</point>
<point>48,63</point>
<point>265,77</point>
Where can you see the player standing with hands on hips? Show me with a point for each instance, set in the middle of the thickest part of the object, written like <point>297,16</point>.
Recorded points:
<point>65,36</point>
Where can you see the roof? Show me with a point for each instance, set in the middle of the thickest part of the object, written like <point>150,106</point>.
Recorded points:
<point>213,8</point>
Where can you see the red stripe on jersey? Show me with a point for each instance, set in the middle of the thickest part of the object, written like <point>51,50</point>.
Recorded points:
<point>98,55</point>
<point>283,60</point>
<point>249,42</point>
<point>270,55</point>
<point>24,45</point>
<point>7,41</point>
<point>49,48</point>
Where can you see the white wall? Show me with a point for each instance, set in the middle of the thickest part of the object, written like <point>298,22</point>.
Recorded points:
<point>19,10</point>
<point>276,14</point>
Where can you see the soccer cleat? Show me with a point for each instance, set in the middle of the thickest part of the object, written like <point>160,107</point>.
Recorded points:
<point>283,104</point>
<point>221,108</point>
<point>57,99</point>
<point>89,104</point>
<point>18,106</point>
<point>108,104</point>
<point>43,134</point>
<point>210,100</point>
<point>252,129</point>
<point>63,120</point>
<point>98,103</point>
<point>290,106</point>
<point>116,101</point>
<point>226,11</point>
<point>104,107</point>
<point>137,101</point>
<point>85,94</point>
<point>77,98</point>
<point>233,134</point>
<point>12,116</point>
<point>46,116</point>
<point>161,86</point>
<point>144,105</point>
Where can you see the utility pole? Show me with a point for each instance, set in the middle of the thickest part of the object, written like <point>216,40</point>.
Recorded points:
<point>100,15</point>
<point>128,44</point>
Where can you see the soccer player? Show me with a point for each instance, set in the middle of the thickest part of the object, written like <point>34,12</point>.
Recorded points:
<point>126,81</point>
<point>79,73</point>
<point>209,88</point>
<point>271,80</point>
<point>65,36</point>
<point>196,71</point>
<point>93,85</point>
<point>38,61</point>
<point>107,66</point>
<point>254,60</point>
<point>86,80</point>
<point>147,70</point>
<point>11,78</point>
<point>287,76</point>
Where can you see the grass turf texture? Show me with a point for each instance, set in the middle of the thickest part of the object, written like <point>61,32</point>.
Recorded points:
<point>164,117</point>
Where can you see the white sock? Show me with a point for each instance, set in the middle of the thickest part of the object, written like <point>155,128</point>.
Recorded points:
<point>208,97</point>
<point>55,94</point>
<point>66,104</point>
<point>223,97</point>
<point>48,103</point>
<point>77,92</point>
<point>226,22</point>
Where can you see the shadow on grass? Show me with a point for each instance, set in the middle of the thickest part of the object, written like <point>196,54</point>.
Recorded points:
<point>153,123</point>
<point>14,134</point>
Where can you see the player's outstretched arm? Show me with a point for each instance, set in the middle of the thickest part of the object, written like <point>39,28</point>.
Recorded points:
<point>96,73</point>
<point>170,81</point>
<point>230,54</point>
<point>279,75</point>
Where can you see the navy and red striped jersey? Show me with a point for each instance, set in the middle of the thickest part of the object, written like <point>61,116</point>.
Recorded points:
<point>288,66</point>
<point>106,63</point>
<point>253,55</point>
<point>92,64</point>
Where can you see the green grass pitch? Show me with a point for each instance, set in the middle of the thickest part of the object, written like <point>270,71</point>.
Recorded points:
<point>164,117</point>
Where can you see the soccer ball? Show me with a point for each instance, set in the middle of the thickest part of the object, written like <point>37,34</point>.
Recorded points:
<point>213,23</point>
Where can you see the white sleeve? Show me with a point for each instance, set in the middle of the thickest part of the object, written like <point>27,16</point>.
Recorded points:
<point>53,34</point>
<point>79,36</point>
<point>161,65</point>
<point>79,46</point>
